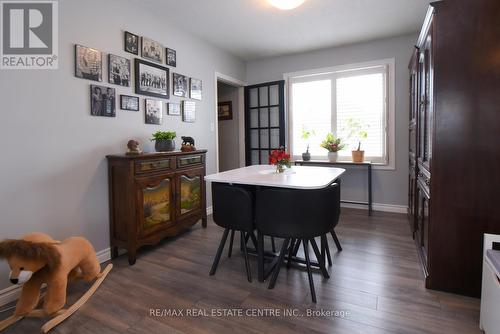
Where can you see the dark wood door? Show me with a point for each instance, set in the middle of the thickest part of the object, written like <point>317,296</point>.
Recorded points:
<point>426,113</point>
<point>264,120</point>
<point>412,138</point>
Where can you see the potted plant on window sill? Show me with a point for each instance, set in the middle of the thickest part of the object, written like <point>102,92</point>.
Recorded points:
<point>306,134</point>
<point>164,141</point>
<point>333,145</point>
<point>358,131</point>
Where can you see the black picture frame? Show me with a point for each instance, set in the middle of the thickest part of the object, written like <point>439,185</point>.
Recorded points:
<point>180,85</point>
<point>84,56</point>
<point>130,44</point>
<point>153,116</point>
<point>162,92</point>
<point>171,57</point>
<point>102,101</point>
<point>150,49</point>
<point>195,89</point>
<point>123,103</point>
<point>225,111</point>
<point>118,70</point>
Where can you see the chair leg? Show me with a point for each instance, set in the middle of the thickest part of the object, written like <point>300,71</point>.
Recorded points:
<point>230,244</point>
<point>326,248</point>
<point>273,245</point>
<point>245,253</point>
<point>290,253</point>
<point>254,240</point>
<point>321,259</point>
<point>309,273</point>
<point>219,251</point>
<point>260,256</point>
<point>297,246</point>
<point>281,257</point>
<point>336,240</point>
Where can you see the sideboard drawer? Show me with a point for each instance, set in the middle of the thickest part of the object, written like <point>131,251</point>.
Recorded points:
<point>190,160</point>
<point>148,166</point>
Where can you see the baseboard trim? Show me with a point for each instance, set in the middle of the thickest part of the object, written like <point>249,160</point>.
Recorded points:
<point>378,207</point>
<point>12,293</point>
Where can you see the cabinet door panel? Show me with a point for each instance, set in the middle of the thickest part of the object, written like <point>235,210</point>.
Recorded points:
<point>156,202</point>
<point>191,187</point>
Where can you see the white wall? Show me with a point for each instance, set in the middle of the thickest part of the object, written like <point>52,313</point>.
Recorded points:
<point>229,129</point>
<point>53,172</point>
<point>389,186</point>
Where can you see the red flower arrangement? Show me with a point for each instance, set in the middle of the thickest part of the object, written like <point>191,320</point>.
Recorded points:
<point>280,159</point>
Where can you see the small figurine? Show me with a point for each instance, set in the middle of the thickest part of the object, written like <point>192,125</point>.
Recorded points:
<point>187,144</point>
<point>133,147</point>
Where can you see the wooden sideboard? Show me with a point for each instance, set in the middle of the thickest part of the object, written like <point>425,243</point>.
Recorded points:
<point>153,196</point>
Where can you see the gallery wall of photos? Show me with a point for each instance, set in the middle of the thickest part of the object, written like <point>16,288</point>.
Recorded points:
<point>151,79</point>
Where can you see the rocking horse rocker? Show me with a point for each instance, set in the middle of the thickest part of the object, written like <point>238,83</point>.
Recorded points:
<point>37,259</point>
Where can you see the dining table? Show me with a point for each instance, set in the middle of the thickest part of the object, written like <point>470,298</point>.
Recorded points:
<point>295,177</point>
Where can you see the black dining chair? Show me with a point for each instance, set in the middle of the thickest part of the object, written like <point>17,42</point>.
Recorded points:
<point>296,214</point>
<point>233,210</point>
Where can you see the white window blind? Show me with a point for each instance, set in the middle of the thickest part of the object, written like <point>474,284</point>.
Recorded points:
<point>328,102</point>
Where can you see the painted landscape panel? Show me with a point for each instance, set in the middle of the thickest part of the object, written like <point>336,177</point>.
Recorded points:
<point>156,203</point>
<point>190,193</point>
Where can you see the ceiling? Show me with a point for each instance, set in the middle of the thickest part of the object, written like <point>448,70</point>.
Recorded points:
<point>252,29</point>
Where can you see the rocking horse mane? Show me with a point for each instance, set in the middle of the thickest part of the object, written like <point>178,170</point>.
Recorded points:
<point>40,251</point>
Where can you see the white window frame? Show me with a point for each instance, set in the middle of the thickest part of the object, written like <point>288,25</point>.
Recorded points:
<point>321,73</point>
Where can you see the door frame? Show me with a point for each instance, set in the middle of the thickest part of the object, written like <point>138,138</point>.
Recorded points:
<point>240,85</point>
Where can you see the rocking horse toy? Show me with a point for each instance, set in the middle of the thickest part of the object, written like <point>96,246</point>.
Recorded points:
<point>37,259</point>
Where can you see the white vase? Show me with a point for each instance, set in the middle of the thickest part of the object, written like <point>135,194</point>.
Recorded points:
<point>332,156</point>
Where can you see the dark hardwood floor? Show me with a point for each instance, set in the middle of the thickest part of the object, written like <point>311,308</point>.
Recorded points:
<point>376,279</point>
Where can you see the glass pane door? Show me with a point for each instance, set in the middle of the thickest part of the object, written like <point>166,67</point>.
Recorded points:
<point>264,121</point>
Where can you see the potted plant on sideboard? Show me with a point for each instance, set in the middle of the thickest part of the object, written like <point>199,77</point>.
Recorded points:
<point>306,134</point>
<point>164,141</point>
<point>333,145</point>
<point>358,131</point>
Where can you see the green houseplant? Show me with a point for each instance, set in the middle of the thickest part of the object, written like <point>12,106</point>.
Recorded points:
<point>164,140</point>
<point>306,134</point>
<point>358,130</point>
<point>333,145</point>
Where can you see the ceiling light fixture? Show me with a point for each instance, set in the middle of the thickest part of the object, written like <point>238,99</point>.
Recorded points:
<point>286,4</point>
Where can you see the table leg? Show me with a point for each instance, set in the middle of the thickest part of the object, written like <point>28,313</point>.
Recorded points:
<point>370,199</point>
<point>260,256</point>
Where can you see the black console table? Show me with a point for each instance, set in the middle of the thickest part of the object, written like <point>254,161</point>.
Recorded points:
<point>366,164</point>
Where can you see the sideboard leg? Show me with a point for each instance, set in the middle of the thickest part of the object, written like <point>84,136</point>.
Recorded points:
<point>132,257</point>
<point>204,221</point>
<point>114,252</point>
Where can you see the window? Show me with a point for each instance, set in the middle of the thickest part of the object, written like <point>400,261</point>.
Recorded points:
<point>332,100</point>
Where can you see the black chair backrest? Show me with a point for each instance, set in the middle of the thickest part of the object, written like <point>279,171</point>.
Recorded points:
<point>295,213</point>
<point>233,207</point>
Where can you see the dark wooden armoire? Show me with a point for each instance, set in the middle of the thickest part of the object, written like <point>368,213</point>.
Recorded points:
<point>454,141</point>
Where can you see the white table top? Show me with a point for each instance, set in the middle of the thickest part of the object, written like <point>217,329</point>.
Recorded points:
<point>297,177</point>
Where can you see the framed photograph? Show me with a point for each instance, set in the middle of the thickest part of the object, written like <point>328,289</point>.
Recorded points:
<point>195,89</point>
<point>152,50</point>
<point>151,79</point>
<point>119,70</point>
<point>188,111</point>
<point>131,43</point>
<point>154,111</point>
<point>174,109</point>
<point>180,85</point>
<point>88,63</point>
<point>225,111</point>
<point>102,101</point>
<point>171,57</point>
<point>128,102</point>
